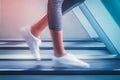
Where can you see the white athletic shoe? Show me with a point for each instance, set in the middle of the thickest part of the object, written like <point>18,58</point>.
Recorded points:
<point>32,41</point>
<point>69,61</point>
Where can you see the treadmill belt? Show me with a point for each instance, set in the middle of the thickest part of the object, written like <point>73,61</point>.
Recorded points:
<point>45,67</point>
<point>16,59</point>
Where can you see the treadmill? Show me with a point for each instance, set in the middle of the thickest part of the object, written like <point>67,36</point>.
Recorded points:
<point>101,52</point>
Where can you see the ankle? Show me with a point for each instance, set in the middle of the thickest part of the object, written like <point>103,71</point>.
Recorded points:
<point>60,54</point>
<point>34,32</point>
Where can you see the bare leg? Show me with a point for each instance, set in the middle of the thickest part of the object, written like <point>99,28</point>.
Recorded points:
<point>39,26</point>
<point>57,38</point>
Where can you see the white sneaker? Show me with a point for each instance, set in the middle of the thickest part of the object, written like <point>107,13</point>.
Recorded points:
<point>69,61</point>
<point>32,41</point>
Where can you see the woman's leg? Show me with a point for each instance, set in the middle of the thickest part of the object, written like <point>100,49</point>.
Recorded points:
<point>55,26</point>
<point>55,10</point>
<point>62,58</point>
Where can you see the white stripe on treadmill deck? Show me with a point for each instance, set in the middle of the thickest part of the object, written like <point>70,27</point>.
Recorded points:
<point>12,69</point>
<point>116,69</point>
<point>3,43</point>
